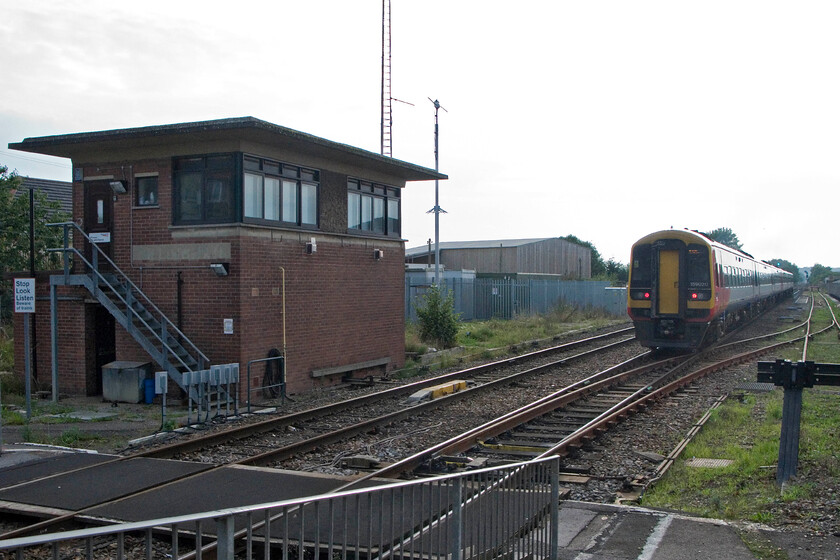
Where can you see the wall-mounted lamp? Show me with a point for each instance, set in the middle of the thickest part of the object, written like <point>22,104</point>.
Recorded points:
<point>221,269</point>
<point>378,254</point>
<point>117,186</point>
<point>311,246</point>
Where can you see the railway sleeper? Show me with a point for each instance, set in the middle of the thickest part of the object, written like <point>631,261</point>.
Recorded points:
<point>552,436</point>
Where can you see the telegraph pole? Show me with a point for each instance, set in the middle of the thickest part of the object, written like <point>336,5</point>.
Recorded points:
<point>437,209</point>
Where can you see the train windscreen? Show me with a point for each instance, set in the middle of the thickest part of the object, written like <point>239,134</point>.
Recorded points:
<point>640,276</point>
<point>697,267</point>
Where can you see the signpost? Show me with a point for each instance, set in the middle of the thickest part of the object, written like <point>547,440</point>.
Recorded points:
<point>25,303</point>
<point>794,376</point>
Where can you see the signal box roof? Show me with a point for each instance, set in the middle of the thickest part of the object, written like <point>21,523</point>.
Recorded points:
<point>247,129</point>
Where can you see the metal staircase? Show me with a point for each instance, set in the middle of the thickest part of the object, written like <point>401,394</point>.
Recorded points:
<point>170,349</point>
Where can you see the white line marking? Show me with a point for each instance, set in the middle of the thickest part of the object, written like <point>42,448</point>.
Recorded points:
<point>655,538</point>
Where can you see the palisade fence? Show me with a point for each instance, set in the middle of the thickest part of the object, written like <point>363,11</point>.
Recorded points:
<point>478,299</point>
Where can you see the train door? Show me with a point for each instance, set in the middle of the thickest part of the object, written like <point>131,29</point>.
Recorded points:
<point>669,283</point>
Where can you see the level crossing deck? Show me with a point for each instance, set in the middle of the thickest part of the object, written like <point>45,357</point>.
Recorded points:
<point>61,484</point>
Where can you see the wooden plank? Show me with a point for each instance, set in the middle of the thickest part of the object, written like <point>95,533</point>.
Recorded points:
<point>323,372</point>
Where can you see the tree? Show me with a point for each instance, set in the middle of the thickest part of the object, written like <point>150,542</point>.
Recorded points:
<point>597,268</point>
<point>611,270</point>
<point>437,318</point>
<point>616,271</point>
<point>725,236</point>
<point>14,233</point>
<point>818,274</point>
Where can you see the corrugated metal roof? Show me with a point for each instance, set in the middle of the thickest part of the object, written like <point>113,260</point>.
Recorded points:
<point>481,244</point>
<point>57,191</point>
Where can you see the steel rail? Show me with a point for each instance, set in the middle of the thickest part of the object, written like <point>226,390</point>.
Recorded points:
<point>598,424</point>
<point>465,441</point>
<point>288,451</point>
<point>668,461</point>
<point>248,430</point>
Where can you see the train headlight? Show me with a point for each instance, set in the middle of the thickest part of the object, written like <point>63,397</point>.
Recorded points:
<point>640,294</point>
<point>700,296</point>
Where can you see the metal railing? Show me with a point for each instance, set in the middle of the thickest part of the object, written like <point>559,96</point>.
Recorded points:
<point>506,512</point>
<point>275,390</point>
<point>167,326</point>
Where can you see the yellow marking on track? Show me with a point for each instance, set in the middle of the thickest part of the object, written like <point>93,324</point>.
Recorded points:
<point>438,391</point>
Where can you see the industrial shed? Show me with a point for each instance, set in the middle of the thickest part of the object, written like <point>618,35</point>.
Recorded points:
<point>551,255</point>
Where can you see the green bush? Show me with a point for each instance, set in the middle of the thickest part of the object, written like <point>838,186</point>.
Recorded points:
<point>437,319</point>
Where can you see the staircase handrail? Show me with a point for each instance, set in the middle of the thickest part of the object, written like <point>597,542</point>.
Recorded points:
<point>94,269</point>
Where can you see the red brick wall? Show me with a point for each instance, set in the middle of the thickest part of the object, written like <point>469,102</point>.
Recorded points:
<point>74,345</point>
<point>342,305</point>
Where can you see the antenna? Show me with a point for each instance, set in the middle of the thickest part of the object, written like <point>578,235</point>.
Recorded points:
<point>387,112</point>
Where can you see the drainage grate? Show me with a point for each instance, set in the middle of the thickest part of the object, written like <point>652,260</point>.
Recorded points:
<point>756,387</point>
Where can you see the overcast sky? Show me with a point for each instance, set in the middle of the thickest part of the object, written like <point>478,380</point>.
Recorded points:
<point>603,119</point>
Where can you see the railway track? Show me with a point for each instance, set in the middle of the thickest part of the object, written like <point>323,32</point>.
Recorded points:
<point>577,414</point>
<point>292,431</point>
<point>614,403</point>
<point>267,450</point>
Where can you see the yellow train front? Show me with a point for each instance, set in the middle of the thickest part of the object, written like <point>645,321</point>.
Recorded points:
<point>686,290</point>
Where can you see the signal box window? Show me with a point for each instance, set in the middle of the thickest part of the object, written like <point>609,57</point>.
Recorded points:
<point>373,208</point>
<point>146,191</point>
<point>279,192</point>
<point>204,189</point>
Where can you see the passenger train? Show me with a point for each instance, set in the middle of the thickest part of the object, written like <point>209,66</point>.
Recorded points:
<point>685,290</point>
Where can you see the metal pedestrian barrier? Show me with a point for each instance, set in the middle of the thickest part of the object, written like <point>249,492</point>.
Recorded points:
<point>209,384</point>
<point>505,512</point>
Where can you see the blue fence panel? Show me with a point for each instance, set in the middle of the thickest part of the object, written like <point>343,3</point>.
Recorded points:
<point>488,298</point>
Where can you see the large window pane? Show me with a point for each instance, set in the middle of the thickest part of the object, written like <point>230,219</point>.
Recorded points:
<point>290,201</point>
<point>189,187</point>
<point>379,215</point>
<point>253,196</point>
<point>272,198</point>
<point>219,187</point>
<point>393,217</point>
<point>354,217</point>
<point>367,212</point>
<point>308,204</point>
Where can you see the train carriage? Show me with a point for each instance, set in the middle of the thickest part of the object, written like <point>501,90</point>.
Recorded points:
<point>685,289</point>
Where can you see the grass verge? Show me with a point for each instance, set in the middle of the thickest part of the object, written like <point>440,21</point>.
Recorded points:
<point>746,430</point>
<point>491,339</point>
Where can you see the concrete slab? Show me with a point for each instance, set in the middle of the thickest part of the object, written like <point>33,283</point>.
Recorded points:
<point>682,538</point>
<point>633,533</point>
<point>85,416</point>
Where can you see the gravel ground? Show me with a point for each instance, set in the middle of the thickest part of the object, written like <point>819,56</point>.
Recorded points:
<point>810,530</point>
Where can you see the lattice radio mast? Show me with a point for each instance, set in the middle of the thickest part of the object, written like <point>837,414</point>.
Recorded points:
<point>387,113</point>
